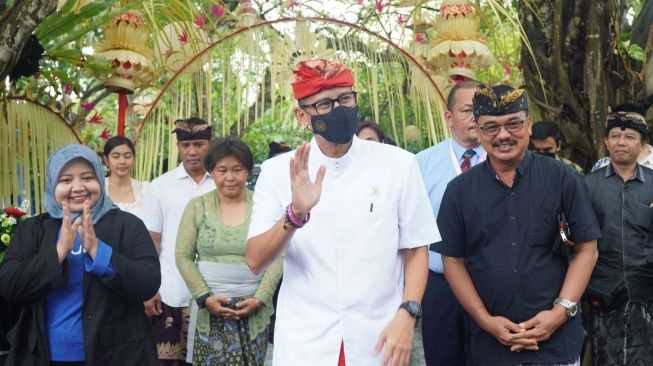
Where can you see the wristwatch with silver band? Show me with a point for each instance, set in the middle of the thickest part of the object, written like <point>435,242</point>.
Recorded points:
<point>572,307</point>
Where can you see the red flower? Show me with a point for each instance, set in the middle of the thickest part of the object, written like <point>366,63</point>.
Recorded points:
<point>379,5</point>
<point>401,20</point>
<point>67,89</point>
<point>96,119</point>
<point>200,21</point>
<point>88,106</point>
<point>419,37</point>
<point>183,37</point>
<point>507,69</point>
<point>15,212</point>
<point>105,134</point>
<point>217,10</point>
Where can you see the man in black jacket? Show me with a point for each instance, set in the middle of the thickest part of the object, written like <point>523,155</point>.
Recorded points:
<point>620,291</point>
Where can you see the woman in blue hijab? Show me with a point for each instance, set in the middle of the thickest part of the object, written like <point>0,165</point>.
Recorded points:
<point>78,274</point>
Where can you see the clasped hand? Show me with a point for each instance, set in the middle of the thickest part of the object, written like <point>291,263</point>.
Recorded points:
<point>219,305</point>
<point>69,230</point>
<point>525,335</point>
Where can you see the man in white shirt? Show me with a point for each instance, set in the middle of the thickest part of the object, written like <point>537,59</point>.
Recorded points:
<point>167,198</point>
<point>445,324</point>
<point>353,220</point>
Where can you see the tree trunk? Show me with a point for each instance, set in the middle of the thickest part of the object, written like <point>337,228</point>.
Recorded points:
<point>574,43</point>
<point>15,28</point>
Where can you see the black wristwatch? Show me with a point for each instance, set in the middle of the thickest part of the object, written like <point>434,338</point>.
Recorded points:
<point>413,308</point>
<point>201,301</point>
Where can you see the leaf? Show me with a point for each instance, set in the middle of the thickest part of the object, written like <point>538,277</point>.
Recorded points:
<point>92,25</point>
<point>68,6</point>
<point>98,67</point>
<point>636,52</point>
<point>70,54</point>
<point>72,26</point>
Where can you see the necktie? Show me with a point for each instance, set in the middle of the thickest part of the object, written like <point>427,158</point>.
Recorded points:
<point>467,160</point>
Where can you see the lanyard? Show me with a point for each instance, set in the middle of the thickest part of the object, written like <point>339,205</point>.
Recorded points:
<point>454,159</point>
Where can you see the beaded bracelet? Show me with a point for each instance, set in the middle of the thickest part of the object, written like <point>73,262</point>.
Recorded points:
<point>292,220</point>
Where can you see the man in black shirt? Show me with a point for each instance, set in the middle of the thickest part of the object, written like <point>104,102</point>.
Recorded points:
<point>620,291</point>
<point>498,222</point>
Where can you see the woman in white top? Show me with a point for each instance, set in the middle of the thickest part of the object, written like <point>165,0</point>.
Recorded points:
<point>125,192</point>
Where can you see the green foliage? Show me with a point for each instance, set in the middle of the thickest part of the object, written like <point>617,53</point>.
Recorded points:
<point>264,131</point>
<point>68,26</point>
<point>636,52</point>
<point>636,5</point>
<point>632,50</point>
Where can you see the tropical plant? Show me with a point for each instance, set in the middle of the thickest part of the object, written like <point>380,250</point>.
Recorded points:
<point>9,219</point>
<point>522,34</point>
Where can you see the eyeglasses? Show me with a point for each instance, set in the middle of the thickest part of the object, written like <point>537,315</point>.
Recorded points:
<point>492,129</point>
<point>326,106</point>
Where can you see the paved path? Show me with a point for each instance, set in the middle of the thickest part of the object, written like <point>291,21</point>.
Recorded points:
<point>416,358</point>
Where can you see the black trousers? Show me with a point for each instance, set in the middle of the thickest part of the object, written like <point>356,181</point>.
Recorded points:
<point>445,325</point>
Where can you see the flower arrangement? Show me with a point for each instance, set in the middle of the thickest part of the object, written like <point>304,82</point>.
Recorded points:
<point>9,218</point>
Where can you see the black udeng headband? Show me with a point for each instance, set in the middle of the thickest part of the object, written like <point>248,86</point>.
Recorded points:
<point>627,120</point>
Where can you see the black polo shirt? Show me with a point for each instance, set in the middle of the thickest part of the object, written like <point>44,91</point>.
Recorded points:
<point>626,217</point>
<point>505,235</point>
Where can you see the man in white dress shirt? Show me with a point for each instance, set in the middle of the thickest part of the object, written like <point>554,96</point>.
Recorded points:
<point>165,202</point>
<point>353,219</point>
<point>445,330</point>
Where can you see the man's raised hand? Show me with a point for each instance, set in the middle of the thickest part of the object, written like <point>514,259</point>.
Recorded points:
<point>305,194</point>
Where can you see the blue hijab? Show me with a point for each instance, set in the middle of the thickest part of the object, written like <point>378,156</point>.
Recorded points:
<point>56,162</point>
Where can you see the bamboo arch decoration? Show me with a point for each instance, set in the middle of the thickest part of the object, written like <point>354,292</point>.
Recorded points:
<point>193,93</point>
<point>29,133</point>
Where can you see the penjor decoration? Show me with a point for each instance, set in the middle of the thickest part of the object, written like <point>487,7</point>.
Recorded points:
<point>124,45</point>
<point>247,15</point>
<point>458,45</point>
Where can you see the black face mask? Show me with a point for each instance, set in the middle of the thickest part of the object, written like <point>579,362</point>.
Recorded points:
<point>337,126</point>
<point>547,153</point>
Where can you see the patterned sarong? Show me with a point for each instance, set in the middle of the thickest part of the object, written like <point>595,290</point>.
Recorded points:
<point>228,344</point>
<point>170,331</point>
<point>622,336</point>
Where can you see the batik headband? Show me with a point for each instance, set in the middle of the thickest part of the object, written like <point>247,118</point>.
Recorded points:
<point>627,120</point>
<point>192,131</point>
<point>499,100</point>
<point>314,76</point>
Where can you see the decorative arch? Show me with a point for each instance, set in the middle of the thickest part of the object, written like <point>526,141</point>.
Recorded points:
<point>29,133</point>
<point>152,140</point>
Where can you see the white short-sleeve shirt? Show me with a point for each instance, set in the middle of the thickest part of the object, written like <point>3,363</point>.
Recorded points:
<point>138,206</point>
<point>165,201</point>
<point>343,274</point>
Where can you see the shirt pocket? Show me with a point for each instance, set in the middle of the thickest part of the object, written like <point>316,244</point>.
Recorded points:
<point>377,213</point>
<point>377,217</point>
<point>644,217</point>
<point>542,226</point>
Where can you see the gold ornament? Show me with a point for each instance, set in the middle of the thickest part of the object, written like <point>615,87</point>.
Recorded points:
<point>124,45</point>
<point>458,45</point>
